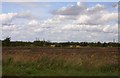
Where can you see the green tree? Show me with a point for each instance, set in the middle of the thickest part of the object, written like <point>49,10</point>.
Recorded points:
<point>6,42</point>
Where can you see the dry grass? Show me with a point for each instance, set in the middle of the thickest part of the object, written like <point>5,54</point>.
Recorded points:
<point>90,57</point>
<point>106,56</point>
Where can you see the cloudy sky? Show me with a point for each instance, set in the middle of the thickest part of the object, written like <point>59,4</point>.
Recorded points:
<point>60,21</point>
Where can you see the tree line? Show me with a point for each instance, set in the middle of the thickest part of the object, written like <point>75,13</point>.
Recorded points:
<point>43,43</point>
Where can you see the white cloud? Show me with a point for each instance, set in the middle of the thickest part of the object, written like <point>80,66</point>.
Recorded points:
<point>96,9</point>
<point>9,17</point>
<point>79,3</point>
<point>111,29</point>
<point>92,15</point>
<point>71,10</point>
<point>93,28</point>
<point>33,23</point>
<point>72,23</point>
<point>84,19</point>
<point>109,17</point>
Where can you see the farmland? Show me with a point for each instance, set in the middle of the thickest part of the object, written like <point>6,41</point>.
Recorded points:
<point>37,61</point>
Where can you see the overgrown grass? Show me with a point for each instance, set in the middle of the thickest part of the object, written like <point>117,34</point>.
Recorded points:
<point>55,67</point>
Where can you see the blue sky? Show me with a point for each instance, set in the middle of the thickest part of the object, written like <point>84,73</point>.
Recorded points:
<point>60,21</point>
<point>19,6</point>
<point>61,0</point>
<point>44,8</point>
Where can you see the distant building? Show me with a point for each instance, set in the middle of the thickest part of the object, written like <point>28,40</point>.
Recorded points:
<point>77,46</point>
<point>52,45</point>
<point>71,46</point>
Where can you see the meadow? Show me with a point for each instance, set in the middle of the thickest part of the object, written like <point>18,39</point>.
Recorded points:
<point>37,61</point>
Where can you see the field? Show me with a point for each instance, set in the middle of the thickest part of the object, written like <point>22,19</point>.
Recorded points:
<point>86,61</point>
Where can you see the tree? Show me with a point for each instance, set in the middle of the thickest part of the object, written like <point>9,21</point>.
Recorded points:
<point>98,44</point>
<point>6,42</point>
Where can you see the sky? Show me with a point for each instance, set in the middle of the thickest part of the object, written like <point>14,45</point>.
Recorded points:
<point>60,0</point>
<point>60,21</point>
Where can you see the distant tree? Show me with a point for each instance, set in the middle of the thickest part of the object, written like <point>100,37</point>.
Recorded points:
<point>99,44</point>
<point>41,43</point>
<point>84,44</point>
<point>104,44</point>
<point>6,42</point>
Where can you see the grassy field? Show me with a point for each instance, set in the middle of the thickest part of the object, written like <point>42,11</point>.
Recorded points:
<point>60,61</point>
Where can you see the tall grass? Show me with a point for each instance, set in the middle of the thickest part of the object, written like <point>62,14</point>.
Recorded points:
<point>60,62</point>
<point>46,66</point>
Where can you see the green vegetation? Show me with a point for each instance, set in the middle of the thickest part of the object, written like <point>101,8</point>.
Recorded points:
<point>56,67</point>
<point>31,59</point>
<point>7,42</point>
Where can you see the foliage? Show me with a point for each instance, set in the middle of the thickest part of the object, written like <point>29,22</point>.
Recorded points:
<point>7,42</point>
